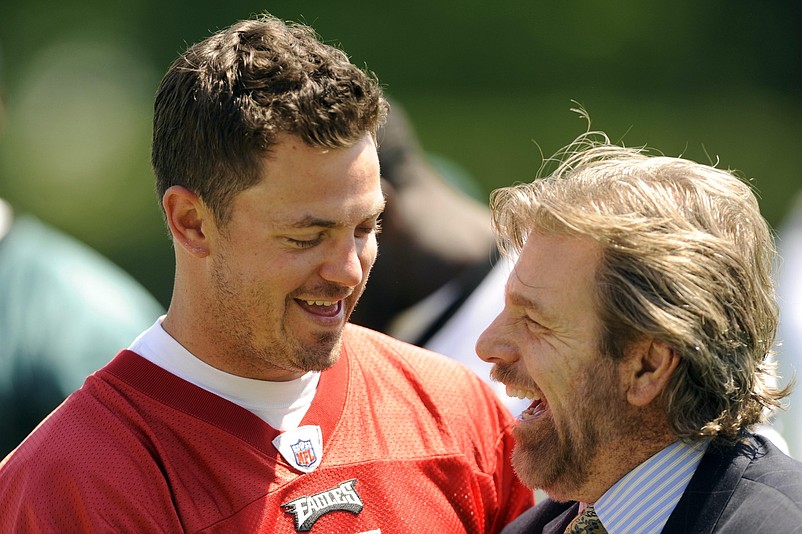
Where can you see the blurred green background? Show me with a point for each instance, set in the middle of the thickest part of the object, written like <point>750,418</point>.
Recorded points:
<point>488,86</point>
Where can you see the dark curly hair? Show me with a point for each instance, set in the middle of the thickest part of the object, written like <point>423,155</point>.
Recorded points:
<point>223,104</point>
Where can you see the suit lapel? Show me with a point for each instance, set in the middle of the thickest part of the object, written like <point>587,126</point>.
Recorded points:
<point>547,517</point>
<point>558,524</point>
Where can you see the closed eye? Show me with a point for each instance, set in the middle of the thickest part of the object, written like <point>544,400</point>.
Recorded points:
<point>305,243</point>
<point>534,325</point>
<point>367,229</point>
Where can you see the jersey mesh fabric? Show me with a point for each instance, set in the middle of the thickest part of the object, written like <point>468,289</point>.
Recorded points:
<point>138,449</point>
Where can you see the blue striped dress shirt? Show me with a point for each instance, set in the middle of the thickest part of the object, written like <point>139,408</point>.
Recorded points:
<point>642,501</point>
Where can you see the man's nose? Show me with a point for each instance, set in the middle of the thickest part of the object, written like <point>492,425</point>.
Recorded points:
<point>494,345</point>
<point>344,267</point>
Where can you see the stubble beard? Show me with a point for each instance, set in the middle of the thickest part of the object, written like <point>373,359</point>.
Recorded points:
<point>326,348</point>
<point>560,458</point>
<point>242,319</point>
<point>289,351</point>
<point>321,354</point>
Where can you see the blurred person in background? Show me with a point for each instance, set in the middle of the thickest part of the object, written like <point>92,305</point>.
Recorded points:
<point>641,317</point>
<point>438,280</point>
<point>64,311</point>
<point>253,405</point>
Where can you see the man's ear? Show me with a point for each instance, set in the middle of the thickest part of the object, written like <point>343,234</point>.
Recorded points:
<point>649,367</point>
<point>187,218</point>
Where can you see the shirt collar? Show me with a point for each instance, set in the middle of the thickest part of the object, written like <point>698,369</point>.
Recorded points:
<point>642,501</point>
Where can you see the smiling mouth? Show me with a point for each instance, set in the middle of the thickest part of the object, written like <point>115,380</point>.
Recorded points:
<point>536,409</point>
<point>323,308</point>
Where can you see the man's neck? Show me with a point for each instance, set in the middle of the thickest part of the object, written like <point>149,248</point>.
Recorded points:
<point>622,455</point>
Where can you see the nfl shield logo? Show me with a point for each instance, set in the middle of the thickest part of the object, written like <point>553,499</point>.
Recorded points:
<point>304,453</point>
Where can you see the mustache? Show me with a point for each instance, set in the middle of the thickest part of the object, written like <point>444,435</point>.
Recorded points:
<point>508,374</point>
<point>327,291</point>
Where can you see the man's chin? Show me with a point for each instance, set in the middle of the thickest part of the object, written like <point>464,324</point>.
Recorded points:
<point>551,485</point>
<point>320,364</point>
<point>550,466</point>
<point>526,468</point>
<point>322,354</point>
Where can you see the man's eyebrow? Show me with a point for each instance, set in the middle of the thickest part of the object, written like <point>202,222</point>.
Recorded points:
<point>517,299</point>
<point>310,221</point>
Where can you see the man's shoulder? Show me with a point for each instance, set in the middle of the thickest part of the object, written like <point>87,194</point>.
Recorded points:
<point>363,342</point>
<point>748,487</point>
<point>432,408</point>
<point>73,446</point>
<point>433,378</point>
<point>767,468</point>
<point>88,460</point>
<point>768,496</point>
<point>72,433</point>
<point>774,474</point>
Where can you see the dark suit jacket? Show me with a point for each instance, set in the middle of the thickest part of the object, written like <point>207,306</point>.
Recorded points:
<point>749,488</point>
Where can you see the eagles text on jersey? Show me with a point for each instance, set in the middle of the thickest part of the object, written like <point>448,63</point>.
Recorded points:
<point>307,509</point>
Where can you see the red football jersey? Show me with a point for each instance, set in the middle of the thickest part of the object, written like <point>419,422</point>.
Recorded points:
<point>412,442</point>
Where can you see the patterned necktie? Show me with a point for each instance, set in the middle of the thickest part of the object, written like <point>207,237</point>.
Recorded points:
<point>586,523</point>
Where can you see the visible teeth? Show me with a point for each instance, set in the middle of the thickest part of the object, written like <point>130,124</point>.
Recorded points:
<point>522,393</point>
<point>319,302</point>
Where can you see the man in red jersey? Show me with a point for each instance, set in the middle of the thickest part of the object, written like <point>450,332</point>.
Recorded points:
<point>252,406</point>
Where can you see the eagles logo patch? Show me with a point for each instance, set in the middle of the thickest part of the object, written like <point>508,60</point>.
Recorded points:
<point>307,509</point>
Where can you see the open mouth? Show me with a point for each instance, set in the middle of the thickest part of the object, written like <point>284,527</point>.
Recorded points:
<point>536,409</point>
<point>322,308</point>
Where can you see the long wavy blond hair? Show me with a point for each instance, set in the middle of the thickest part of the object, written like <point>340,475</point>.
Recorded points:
<point>687,259</point>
